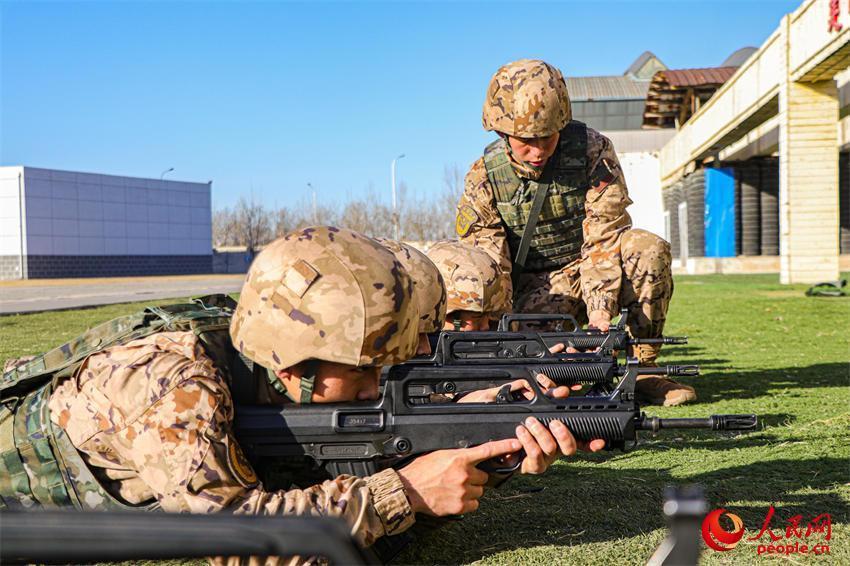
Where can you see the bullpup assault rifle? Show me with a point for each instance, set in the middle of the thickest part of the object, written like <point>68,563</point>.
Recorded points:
<point>615,338</point>
<point>360,438</point>
<point>515,355</point>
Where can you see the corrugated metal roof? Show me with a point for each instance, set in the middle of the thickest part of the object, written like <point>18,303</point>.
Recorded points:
<point>695,77</point>
<point>606,88</point>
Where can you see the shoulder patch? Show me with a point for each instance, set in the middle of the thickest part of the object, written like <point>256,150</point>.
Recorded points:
<point>603,175</point>
<point>239,465</point>
<point>466,217</point>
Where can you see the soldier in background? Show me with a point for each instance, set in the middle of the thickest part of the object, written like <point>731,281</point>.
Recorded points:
<point>478,291</point>
<point>148,424</point>
<point>562,178</point>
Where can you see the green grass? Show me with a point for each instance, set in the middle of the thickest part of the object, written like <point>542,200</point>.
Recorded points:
<point>764,348</point>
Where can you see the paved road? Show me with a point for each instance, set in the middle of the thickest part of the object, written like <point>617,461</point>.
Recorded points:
<point>57,294</point>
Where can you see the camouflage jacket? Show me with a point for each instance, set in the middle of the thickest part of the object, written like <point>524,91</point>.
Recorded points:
<point>152,419</point>
<point>605,220</point>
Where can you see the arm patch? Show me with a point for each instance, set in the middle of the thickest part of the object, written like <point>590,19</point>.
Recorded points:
<point>239,466</point>
<point>603,175</point>
<point>466,217</point>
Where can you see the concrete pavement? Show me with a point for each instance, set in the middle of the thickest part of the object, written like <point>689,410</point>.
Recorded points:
<point>37,295</point>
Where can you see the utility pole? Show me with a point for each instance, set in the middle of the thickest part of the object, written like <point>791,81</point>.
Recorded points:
<point>395,200</point>
<point>315,208</point>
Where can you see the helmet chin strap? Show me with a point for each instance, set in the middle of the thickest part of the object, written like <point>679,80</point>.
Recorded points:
<point>308,380</point>
<point>457,322</point>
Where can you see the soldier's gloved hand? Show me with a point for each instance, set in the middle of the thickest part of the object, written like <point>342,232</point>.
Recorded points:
<point>446,482</point>
<point>521,387</point>
<point>600,320</point>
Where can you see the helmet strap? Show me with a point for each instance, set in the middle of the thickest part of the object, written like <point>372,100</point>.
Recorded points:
<point>277,384</point>
<point>308,380</point>
<point>457,323</point>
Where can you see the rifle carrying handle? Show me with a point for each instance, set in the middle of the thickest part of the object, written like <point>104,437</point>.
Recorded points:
<point>508,319</point>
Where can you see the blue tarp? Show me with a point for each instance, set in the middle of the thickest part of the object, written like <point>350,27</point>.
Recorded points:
<point>719,213</point>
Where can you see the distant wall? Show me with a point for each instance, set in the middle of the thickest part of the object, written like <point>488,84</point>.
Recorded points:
<point>11,186</point>
<point>231,261</point>
<point>72,224</point>
<point>644,183</point>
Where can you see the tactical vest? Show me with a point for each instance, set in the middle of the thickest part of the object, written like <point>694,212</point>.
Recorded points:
<point>39,466</point>
<point>558,236</point>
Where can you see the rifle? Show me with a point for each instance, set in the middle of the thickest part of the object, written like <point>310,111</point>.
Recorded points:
<point>361,437</point>
<point>513,355</point>
<point>616,338</point>
<point>63,536</point>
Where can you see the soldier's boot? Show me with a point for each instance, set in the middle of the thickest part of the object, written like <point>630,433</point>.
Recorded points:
<point>656,389</point>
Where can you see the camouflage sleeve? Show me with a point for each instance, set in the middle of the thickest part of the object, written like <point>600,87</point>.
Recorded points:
<point>605,221</point>
<point>192,461</point>
<point>478,222</point>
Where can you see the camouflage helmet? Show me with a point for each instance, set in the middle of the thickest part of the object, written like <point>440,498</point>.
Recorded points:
<point>473,279</point>
<point>428,287</point>
<point>325,293</point>
<point>527,99</point>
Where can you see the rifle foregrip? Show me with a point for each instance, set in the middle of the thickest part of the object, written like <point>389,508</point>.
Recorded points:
<point>593,341</point>
<point>591,428</point>
<point>574,374</point>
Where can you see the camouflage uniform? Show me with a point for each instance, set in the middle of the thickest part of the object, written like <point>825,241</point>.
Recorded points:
<point>473,280</point>
<point>617,266</point>
<point>152,418</point>
<point>428,285</point>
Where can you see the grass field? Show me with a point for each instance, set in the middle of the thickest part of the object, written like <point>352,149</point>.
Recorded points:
<point>763,348</point>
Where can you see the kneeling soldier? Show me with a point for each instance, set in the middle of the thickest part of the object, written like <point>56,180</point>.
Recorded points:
<point>548,201</point>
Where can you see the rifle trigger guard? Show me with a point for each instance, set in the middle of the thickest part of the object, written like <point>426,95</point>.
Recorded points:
<point>499,470</point>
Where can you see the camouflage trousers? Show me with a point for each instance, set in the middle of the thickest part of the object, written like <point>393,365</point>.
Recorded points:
<point>646,288</point>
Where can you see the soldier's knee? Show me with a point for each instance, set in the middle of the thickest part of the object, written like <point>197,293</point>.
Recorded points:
<point>644,252</point>
<point>645,247</point>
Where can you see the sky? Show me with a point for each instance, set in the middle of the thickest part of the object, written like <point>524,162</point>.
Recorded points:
<point>263,98</point>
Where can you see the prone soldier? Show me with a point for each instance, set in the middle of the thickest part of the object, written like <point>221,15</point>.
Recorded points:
<point>429,290</point>
<point>478,291</point>
<point>147,424</point>
<point>548,202</point>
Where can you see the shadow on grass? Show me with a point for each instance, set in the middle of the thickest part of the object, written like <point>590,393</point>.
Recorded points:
<point>580,506</point>
<point>691,355</point>
<point>752,384</point>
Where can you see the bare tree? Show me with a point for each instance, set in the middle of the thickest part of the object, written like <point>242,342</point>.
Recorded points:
<point>224,228</point>
<point>427,218</point>
<point>254,224</point>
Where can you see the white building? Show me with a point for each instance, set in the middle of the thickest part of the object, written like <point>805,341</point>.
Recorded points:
<point>69,224</point>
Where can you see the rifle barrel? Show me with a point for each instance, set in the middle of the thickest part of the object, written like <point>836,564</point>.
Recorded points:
<point>662,340</point>
<point>714,422</point>
<point>672,371</point>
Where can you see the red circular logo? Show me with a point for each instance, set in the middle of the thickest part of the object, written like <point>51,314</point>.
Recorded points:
<point>718,538</point>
